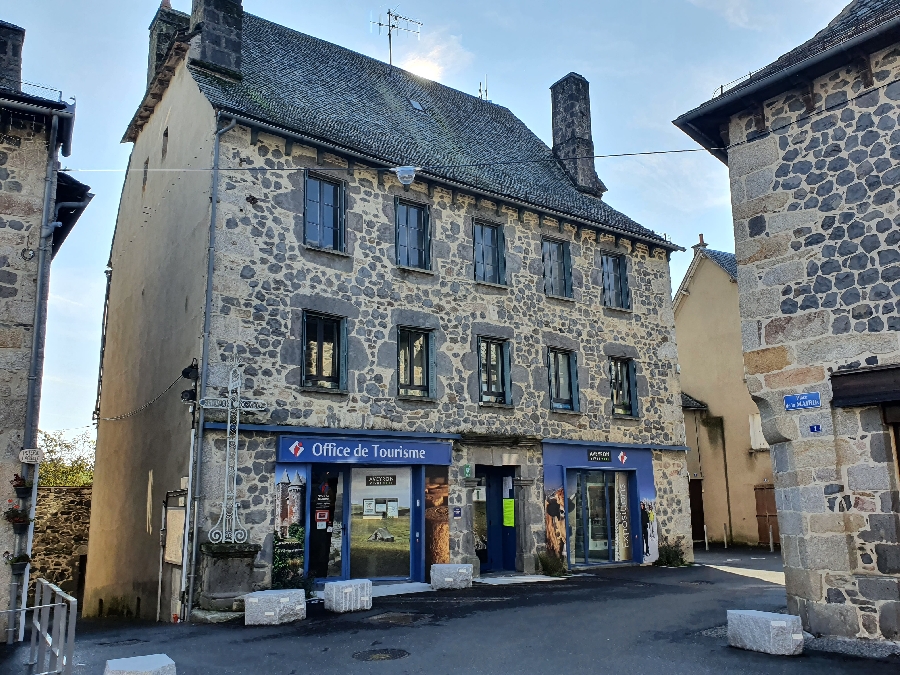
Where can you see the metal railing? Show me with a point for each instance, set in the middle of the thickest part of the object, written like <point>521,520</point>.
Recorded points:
<point>52,630</point>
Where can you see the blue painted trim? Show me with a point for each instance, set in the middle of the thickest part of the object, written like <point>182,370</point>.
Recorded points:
<point>328,431</point>
<point>624,446</point>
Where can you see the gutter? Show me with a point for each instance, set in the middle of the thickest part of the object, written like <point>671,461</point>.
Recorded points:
<point>204,363</point>
<point>553,213</point>
<point>67,114</point>
<point>685,122</point>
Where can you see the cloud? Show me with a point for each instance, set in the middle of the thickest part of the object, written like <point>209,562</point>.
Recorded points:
<point>436,55</point>
<point>736,12</point>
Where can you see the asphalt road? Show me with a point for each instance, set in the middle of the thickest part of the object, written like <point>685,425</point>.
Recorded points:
<point>622,620</point>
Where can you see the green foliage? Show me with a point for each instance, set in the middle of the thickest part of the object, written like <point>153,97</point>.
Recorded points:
<point>670,555</point>
<point>287,567</point>
<point>551,565</point>
<point>295,531</point>
<point>67,462</point>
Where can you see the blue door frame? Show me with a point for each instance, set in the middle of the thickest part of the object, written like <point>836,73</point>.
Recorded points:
<point>501,544</point>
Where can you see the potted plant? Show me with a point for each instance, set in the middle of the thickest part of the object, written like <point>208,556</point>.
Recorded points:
<point>18,517</point>
<point>21,486</point>
<point>17,562</point>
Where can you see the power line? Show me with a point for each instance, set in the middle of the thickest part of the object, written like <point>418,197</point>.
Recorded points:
<point>143,407</point>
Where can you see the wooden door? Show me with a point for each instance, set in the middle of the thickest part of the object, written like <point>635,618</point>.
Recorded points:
<point>695,493</point>
<point>766,514</point>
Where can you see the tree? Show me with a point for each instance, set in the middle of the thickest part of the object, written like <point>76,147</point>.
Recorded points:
<point>67,462</point>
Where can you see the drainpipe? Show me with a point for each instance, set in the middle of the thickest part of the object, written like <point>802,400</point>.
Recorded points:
<point>204,363</point>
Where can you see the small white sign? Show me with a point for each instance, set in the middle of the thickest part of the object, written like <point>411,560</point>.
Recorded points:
<point>31,456</point>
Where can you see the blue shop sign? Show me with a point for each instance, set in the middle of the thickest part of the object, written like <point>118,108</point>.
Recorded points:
<point>397,450</point>
<point>803,401</point>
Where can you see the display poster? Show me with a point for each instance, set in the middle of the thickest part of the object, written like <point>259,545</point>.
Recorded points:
<point>290,519</point>
<point>509,513</point>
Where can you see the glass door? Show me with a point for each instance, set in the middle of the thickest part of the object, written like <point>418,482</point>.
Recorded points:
<point>326,522</point>
<point>380,522</point>
<point>599,516</point>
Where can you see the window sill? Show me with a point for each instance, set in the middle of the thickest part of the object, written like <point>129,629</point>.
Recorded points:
<point>559,297</point>
<point>563,411</point>
<point>418,270</point>
<point>490,284</point>
<point>620,310</point>
<point>330,251</point>
<point>617,416</point>
<point>488,404</point>
<point>416,399</point>
<point>324,390</point>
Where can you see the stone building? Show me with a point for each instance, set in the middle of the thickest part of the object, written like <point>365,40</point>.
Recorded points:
<point>731,487</point>
<point>38,208</point>
<point>444,355</point>
<point>812,146</point>
<point>59,551</point>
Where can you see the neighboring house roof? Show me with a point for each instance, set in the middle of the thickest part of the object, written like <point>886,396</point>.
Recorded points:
<point>862,26</point>
<point>690,403</point>
<point>326,92</point>
<point>727,261</point>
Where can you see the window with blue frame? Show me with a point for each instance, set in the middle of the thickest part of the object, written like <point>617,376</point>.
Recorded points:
<point>615,281</point>
<point>490,245</point>
<point>413,235</point>
<point>415,362</point>
<point>622,386</point>
<point>494,371</point>
<point>563,370</point>
<point>557,268</point>
<point>324,214</point>
<point>324,351</point>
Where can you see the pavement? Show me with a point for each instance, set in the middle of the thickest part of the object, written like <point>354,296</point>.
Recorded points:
<point>620,620</point>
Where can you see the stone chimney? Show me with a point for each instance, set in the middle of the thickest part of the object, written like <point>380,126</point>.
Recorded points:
<point>11,40</point>
<point>700,245</point>
<point>165,25</point>
<point>218,47</point>
<point>572,139</point>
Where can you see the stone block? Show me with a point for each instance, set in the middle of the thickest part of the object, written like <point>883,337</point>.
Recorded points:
<point>769,360</point>
<point>353,595</point>
<point>879,588</point>
<point>765,632</point>
<point>825,552</point>
<point>865,477</point>
<point>831,619</point>
<point>451,576</point>
<point>226,572</point>
<point>264,608</point>
<point>153,664</point>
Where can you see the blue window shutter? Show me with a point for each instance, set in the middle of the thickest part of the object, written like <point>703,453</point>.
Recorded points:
<point>432,366</point>
<point>632,389</point>
<point>397,229</point>
<point>343,363</point>
<point>305,197</point>
<point>507,375</point>
<point>573,378</point>
<point>567,264</point>
<point>477,232</point>
<point>426,218</point>
<point>342,233</point>
<point>481,366</point>
<point>548,286</point>
<point>609,298</point>
<point>623,275</point>
<point>549,377</point>
<point>303,348</point>
<point>501,254</point>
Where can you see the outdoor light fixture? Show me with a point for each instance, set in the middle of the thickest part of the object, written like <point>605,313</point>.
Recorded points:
<point>188,396</point>
<point>405,174</point>
<point>192,372</point>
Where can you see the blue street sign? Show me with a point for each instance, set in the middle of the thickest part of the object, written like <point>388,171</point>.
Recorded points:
<point>815,428</point>
<point>803,401</point>
<point>393,450</point>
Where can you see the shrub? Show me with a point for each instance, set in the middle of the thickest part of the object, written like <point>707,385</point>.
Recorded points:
<point>670,555</point>
<point>551,565</point>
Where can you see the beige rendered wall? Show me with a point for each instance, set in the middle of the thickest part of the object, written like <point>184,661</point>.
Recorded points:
<point>23,166</point>
<point>708,328</point>
<point>156,306</point>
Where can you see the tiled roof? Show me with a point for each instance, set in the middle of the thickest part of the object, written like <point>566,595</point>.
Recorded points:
<point>691,403</point>
<point>727,261</point>
<point>333,94</point>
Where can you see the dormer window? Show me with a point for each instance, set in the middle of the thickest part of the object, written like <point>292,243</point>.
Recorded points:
<point>415,104</point>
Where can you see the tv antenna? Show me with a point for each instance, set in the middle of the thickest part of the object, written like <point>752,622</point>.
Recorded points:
<point>483,92</point>
<point>395,22</point>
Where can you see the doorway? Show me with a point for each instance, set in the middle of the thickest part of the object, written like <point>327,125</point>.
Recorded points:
<point>698,518</point>
<point>600,516</point>
<point>494,518</point>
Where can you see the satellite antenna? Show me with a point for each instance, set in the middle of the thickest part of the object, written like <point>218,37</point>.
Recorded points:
<point>395,22</point>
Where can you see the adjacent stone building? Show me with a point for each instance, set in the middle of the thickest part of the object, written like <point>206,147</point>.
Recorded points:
<point>61,523</point>
<point>38,208</point>
<point>731,488</point>
<point>449,348</point>
<point>812,145</point>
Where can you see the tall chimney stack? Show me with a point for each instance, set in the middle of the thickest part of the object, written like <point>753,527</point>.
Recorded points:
<point>220,23</point>
<point>165,26</point>
<point>572,140</point>
<point>11,40</point>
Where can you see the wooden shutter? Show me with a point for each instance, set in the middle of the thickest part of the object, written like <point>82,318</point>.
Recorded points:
<point>426,223</point>
<point>501,255</point>
<point>432,365</point>
<point>303,373</point>
<point>479,250</point>
<point>632,389</point>
<point>623,281</point>
<point>550,378</point>
<point>343,362</point>
<point>573,379</point>
<point>342,214</point>
<point>305,209</point>
<point>567,266</point>
<point>397,230</point>
<point>548,286</point>
<point>507,375</point>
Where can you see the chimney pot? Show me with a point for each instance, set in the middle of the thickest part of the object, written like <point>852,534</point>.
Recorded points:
<point>700,245</point>
<point>220,23</point>
<point>165,26</point>
<point>573,143</point>
<point>11,40</point>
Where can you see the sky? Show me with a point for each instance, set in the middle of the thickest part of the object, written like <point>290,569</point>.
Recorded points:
<point>648,61</point>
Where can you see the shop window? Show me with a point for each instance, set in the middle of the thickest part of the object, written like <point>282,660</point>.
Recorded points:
<point>563,369</point>
<point>490,254</point>
<point>325,351</point>
<point>622,385</point>
<point>493,368</point>
<point>413,235</point>
<point>557,268</point>
<point>415,363</point>
<point>324,214</point>
<point>615,281</point>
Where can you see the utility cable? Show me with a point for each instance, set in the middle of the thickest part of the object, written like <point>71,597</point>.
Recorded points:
<point>143,407</point>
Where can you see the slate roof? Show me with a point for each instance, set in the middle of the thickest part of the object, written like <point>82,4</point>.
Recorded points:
<point>727,261</point>
<point>333,94</point>
<point>691,403</point>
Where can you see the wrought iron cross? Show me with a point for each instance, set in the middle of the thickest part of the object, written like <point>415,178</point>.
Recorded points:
<point>228,529</point>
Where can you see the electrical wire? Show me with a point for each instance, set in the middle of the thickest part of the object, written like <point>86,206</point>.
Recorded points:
<point>143,407</point>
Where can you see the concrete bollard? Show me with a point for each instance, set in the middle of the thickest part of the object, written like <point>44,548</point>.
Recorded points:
<point>348,596</point>
<point>766,632</point>
<point>153,664</point>
<point>451,576</point>
<point>266,608</point>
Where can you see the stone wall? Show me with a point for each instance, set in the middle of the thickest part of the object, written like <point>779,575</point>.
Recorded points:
<point>61,523</point>
<point>817,230</point>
